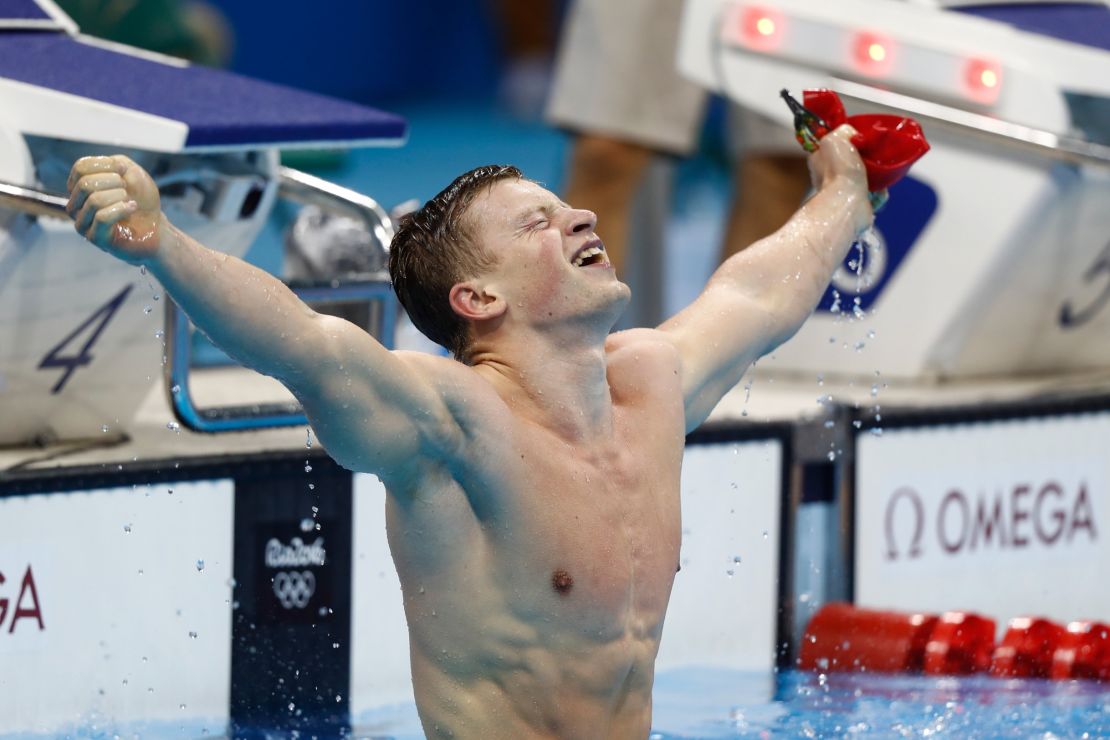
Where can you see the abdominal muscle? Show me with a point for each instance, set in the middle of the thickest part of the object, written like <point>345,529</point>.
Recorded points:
<point>543,618</point>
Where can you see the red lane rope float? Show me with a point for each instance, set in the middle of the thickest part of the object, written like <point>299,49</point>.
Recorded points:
<point>961,643</point>
<point>841,637</point>
<point>1083,652</point>
<point>1027,649</point>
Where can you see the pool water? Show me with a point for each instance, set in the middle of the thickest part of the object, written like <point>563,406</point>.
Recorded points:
<point>696,703</point>
<point>719,703</point>
<point>701,703</point>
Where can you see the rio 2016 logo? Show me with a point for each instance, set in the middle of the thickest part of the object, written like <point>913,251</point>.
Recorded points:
<point>294,588</point>
<point>294,584</point>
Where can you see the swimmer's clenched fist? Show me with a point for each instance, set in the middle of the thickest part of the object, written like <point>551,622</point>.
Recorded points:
<point>114,204</point>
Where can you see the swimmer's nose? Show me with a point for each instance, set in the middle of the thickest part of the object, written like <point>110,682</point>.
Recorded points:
<point>581,220</point>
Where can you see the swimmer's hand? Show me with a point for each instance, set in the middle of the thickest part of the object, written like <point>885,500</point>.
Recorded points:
<point>837,164</point>
<point>115,204</point>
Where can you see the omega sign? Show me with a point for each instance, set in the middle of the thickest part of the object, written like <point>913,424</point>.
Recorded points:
<point>1025,515</point>
<point>294,584</point>
<point>19,603</point>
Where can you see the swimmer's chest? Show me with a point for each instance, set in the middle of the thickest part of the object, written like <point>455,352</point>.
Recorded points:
<point>593,534</point>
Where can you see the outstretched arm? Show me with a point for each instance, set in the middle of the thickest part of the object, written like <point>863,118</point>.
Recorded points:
<point>375,410</point>
<point>759,297</point>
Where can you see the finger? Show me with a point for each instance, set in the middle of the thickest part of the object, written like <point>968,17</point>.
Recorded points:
<point>99,232</point>
<point>94,203</point>
<point>90,166</point>
<point>90,184</point>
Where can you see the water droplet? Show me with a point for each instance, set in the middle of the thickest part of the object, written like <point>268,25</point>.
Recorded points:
<point>104,428</point>
<point>831,455</point>
<point>307,467</point>
<point>169,491</point>
<point>157,296</point>
<point>140,571</point>
<point>147,309</point>
<point>173,426</point>
<point>127,528</point>
<point>765,534</point>
<point>312,486</point>
<point>877,431</point>
<point>292,706</point>
<point>192,634</point>
<point>158,334</point>
<point>857,423</point>
<point>308,437</point>
<point>338,698</point>
<point>200,565</point>
<point>176,388</point>
<point>729,571</point>
<point>142,269</point>
<point>736,559</point>
<point>306,525</point>
<point>335,646</point>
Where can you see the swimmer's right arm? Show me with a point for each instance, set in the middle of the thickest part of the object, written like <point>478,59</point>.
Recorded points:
<point>374,410</point>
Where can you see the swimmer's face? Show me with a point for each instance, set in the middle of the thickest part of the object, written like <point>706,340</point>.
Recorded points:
<point>550,262</point>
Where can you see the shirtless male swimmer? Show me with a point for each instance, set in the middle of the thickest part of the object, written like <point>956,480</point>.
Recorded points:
<point>533,487</point>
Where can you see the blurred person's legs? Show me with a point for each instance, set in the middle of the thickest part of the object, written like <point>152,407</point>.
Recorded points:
<point>527,31</point>
<point>770,178</point>
<point>605,176</point>
<point>616,88</point>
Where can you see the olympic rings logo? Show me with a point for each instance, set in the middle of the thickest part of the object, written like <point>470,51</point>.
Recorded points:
<point>294,589</point>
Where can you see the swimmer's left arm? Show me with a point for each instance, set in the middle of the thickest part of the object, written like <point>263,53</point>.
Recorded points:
<point>762,295</point>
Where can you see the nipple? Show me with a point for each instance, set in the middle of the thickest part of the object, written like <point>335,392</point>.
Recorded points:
<point>562,581</point>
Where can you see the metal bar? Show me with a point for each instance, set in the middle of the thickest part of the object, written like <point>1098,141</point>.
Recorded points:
<point>259,416</point>
<point>306,189</point>
<point>1013,135</point>
<point>32,201</point>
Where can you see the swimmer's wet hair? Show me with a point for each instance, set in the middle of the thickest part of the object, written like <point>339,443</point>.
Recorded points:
<point>434,249</point>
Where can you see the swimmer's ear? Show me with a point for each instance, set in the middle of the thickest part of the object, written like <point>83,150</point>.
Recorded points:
<point>475,303</point>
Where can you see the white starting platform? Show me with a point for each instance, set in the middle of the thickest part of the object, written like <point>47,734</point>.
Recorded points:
<point>78,329</point>
<point>957,373</point>
<point>989,274</point>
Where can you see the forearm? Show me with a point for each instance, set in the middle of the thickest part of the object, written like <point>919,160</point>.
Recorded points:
<point>788,271</point>
<point>245,311</point>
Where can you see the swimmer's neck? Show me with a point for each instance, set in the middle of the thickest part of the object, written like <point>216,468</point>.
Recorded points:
<point>560,385</point>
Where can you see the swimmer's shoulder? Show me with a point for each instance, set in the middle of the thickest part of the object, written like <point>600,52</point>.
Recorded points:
<point>636,343</point>
<point>469,397</point>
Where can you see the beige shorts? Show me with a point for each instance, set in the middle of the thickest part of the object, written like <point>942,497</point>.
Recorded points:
<point>615,75</point>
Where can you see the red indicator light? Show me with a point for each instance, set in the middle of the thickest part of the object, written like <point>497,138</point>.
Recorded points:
<point>982,80</point>
<point>873,54</point>
<point>761,28</point>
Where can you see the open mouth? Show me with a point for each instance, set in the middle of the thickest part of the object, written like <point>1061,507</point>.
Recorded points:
<point>591,254</point>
